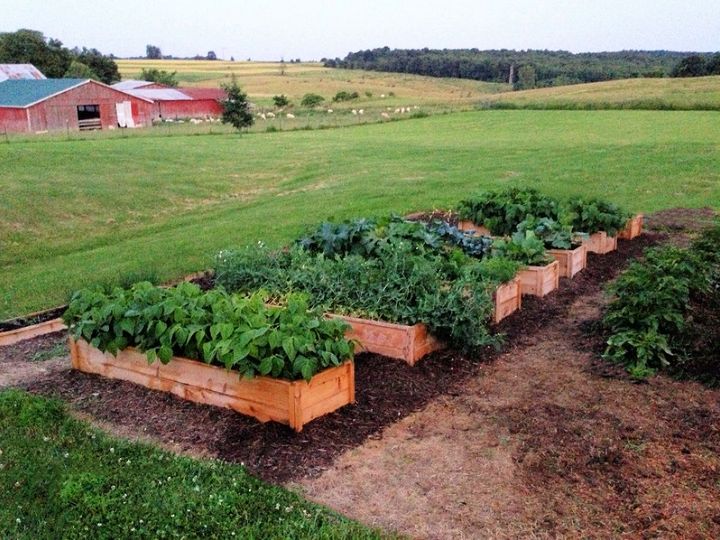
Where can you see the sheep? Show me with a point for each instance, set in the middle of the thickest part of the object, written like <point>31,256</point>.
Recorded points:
<point>290,116</point>
<point>385,115</point>
<point>354,111</point>
<point>330,111</point>
<point>271,115</point>
<point>382,96</point>
<point>262,115</point>
<point>361,111</point>
<point>397,111</point>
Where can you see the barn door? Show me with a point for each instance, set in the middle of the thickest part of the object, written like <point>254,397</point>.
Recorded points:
<point>121,118</point>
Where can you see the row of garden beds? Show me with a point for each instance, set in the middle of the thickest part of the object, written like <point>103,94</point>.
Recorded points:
<point>288,367</point>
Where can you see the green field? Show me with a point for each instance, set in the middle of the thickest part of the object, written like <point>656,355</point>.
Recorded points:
<point>78,212</point>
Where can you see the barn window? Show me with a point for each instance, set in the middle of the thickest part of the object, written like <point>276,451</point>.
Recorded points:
<point>89,117</point>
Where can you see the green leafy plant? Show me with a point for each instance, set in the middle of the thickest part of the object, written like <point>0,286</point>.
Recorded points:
<point>241,333</point>
<point>343,95</point>
<point>281,101</point>
<point>553,234</point>
<point>502,211</point>
<point>311,100</point>
<point>524,248</point>
<point>593,215</point>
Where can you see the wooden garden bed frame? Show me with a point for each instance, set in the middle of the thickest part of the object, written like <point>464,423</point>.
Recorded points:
<point>601,243</point>
<point>28,332</point>
<point>294,403</point>
<point>571,261</point>
<point>467,226</point>
<point>540,280</point>
<point>507,299</point>
<point>633,229</point>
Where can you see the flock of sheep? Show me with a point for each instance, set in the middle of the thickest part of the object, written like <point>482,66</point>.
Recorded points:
<point>354,112</point>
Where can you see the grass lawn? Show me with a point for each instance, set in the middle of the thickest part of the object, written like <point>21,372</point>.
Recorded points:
<point>78,212</point>
<point>60,478</point>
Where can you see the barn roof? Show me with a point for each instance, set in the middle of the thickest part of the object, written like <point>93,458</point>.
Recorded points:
<point>130,85</point>
<point>19,71</point>
<point>159,94</point>
<point>24,92</point>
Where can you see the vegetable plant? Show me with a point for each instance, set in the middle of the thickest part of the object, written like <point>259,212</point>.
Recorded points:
<point>524,248</point>
<point>553,234</point>
<point>593,215</point>
<point>502,211</point>
<point>241,333</point>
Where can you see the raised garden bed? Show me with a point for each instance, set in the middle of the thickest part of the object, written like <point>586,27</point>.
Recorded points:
<point>507,299</point>
<point>10,337</point>
<point>601,243</point>
<point>633,229</point>
<point>540,280</point>
<point>571,261</point>
<point>294,403</point>
<point>399,341</point>
<point>465,225</point>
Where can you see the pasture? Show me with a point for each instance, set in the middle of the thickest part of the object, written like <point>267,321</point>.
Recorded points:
<point>80,212</point>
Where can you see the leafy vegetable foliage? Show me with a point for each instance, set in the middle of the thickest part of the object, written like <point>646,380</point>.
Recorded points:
<point>370,238</point>
<point>553,234</point>
<point>593,215</point>
<point>451,292</point>
<point>652,321</point>
<point>239,333</point>
<point>502,211</point>
<point>524,248</point>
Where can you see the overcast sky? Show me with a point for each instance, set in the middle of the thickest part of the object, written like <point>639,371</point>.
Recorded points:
<point>312,29</point>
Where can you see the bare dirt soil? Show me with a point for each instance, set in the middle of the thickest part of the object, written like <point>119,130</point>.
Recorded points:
<point>541,440</point>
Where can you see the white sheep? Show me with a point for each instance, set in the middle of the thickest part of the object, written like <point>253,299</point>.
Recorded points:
<point>397,111</point>
<point>385,115</point>
<point>262,115</point>
<point>354,111</point>
<point>382,96</point>
<point>271,115</point>
<point>330,111</point>
<point>290,116</point>
<point>361,111</point>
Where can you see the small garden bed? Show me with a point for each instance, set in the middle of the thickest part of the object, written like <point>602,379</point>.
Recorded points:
<point>507,299</point>
<point>540,280</point>
<point>294,403</point>
<point>600,243</point>
<point>571,261</point>
<point>633,229</point>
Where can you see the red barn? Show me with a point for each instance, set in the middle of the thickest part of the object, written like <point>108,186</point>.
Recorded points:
<point>33,106</point>
<point>176,103</point>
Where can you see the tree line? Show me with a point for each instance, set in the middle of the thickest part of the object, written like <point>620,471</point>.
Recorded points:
<point>55,60</point>
<point>523,69</point>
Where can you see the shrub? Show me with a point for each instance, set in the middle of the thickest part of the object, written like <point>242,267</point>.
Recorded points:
<point>502,211</point>
<point>593,215</point>
<point>311,100</point>
<point>345,96</point>
<point>281,101</point>
<point>239,333</point>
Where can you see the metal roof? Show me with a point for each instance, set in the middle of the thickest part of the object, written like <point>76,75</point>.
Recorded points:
<point>19,71</point>
<point>25,92</point>
<point>159,94</point>
<point>205,93</point>
<point>130,84</point>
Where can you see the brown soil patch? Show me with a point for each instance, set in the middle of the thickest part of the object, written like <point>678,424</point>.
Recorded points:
<point>33,359</point>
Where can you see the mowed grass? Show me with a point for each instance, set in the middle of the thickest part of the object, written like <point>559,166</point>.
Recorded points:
<point>74,213</point>
<point>61,478</point>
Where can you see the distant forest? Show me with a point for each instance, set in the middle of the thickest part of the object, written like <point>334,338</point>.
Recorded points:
<point>524,69</point>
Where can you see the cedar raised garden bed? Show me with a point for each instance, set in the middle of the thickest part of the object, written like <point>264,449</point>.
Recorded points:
<point>467,226</point>
<point>540,280</point>
<point>633,229</point>
<point>571,261</point>
<point>507,299</point>
<point>17,335</point>
<point>400,341</point>
<point>601,243</point>
<point>294,403</point>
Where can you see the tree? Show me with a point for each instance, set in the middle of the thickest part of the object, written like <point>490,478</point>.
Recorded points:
<point>78,70</point>
<point>527,78</point>
<point>30,47</point>
<point>211,55</point>
<point>236,108</point>
<point>159,76</point>
<point>311,100</point>
<point>281,101</point>
<point>104,67</point>
<point>691,66</point>
<point>713,65</point>
<point>152,52</point>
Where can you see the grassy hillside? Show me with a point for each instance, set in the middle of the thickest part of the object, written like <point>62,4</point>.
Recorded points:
<point>169,203</point>
<point>701,93</point>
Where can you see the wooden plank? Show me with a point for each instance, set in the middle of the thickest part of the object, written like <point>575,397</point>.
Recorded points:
<point>507,299</point>
<point>264,398</point>
<point>28,332</point>
<point>633,229</point>
<point>540,280</point>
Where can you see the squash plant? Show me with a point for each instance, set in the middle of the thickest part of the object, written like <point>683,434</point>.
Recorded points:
<point>241,333</point>
<point>502,211</point>
<point>594,215</point>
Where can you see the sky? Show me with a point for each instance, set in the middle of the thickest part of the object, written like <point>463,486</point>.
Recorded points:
<point>313,29</point>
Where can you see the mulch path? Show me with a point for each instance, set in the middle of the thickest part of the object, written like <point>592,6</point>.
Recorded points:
<point>387,390</point>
